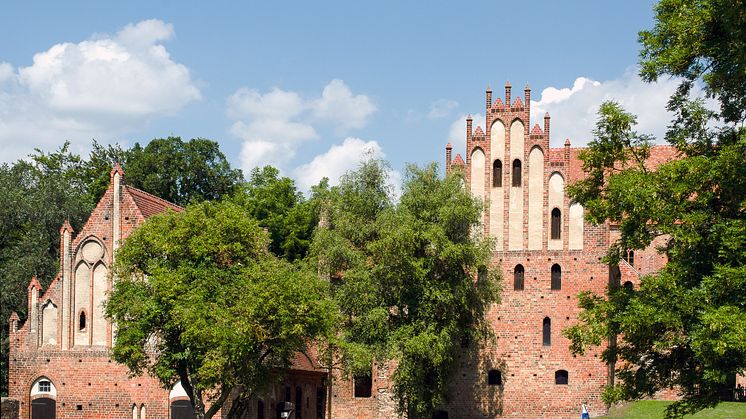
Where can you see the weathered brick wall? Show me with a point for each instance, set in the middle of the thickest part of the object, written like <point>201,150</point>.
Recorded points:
<point>381,404</point>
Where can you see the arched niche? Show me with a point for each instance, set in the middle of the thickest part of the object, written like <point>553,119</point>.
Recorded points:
<point>477,173</point>
<point>49,323</point>
<point>535,198</point>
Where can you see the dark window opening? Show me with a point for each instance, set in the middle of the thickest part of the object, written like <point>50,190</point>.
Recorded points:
<point>518,278</point>
<point>363,385</point>
<point>298,402</point>
<point>287,393</point>
<point>81,321</point>
<point>547,332</point>
<point>497,174</point>
<point>494,378</point>
<point>556,224</point>
<point>628,286</point>
<point>556,277</point>
<point>517,172</point>
<point>440,414</point>
<point>260,409</point>
<point>561,377</point>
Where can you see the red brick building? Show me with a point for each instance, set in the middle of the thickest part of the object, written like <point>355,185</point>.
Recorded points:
<point>547,252</point>
<point>60,358</point>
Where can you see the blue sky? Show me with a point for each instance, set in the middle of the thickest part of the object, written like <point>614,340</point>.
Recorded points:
<point>308,86</point>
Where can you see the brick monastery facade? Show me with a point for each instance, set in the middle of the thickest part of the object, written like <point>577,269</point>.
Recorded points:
<point>547,252</point>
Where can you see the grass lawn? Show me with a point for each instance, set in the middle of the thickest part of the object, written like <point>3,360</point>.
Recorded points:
<point>655,409</point>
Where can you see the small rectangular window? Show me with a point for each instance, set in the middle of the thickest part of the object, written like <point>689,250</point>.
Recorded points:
<point>363,385</point>
<point>494,378</point>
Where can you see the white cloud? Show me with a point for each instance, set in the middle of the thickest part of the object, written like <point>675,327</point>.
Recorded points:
<point>99,88</point>
<point>441,108</point>
<point>275,124</point>
<point>574,111</point>
<point>277,104</point>
<point>457,132</point>
<point>339,159</point>
<point>338,105</point>
<point>6,72</point>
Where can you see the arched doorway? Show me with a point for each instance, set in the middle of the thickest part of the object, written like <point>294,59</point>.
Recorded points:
<point>43,403</point>
<point>180,406</point>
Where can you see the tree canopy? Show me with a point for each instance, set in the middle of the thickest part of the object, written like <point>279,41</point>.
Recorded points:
<point>199,299</point>
<point>411,278</point>
<point>277,205</point>
<point>182,172</point>
<point>685,328</point>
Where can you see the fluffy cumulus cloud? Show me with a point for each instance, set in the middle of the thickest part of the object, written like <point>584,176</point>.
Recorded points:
<point>339,159</point>
<point>274,125</point>
<point>574,110</point>
<point>99,88</point>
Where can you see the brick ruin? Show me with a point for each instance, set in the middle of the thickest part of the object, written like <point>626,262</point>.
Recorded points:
<point>546,250</point>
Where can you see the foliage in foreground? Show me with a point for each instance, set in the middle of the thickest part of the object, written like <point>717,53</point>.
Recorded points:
<point>685,328</point>
<point>404,276</point>
<point>199,299</point>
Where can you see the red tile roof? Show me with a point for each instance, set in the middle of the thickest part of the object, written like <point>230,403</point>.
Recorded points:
<point>149,204</point>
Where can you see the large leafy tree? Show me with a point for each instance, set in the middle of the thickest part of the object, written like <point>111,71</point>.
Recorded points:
<point>36,196</point>
<point>686,325</point>
<point>199,299</point>
<point>182,172</point>
<point>277,204</point>
<point>412,278</point>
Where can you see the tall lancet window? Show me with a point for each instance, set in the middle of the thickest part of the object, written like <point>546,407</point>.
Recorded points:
<point>517,172</point>
<point>497,174</point>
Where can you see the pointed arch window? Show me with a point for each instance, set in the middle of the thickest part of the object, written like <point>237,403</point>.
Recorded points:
<point>82,321</point>
<point>556,224</point>
<point>497,174</point>
<point>518,274</point>
<point>517,172</point>
<point>556,277</point>
<point>547,332</point>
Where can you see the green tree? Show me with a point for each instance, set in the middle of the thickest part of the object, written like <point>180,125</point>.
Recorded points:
<point>686,325</point>
<point>36,196</point>
<point>276,203</point>
<point>199,299</point>
<point>182,172</point>
<point>414,279</point>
